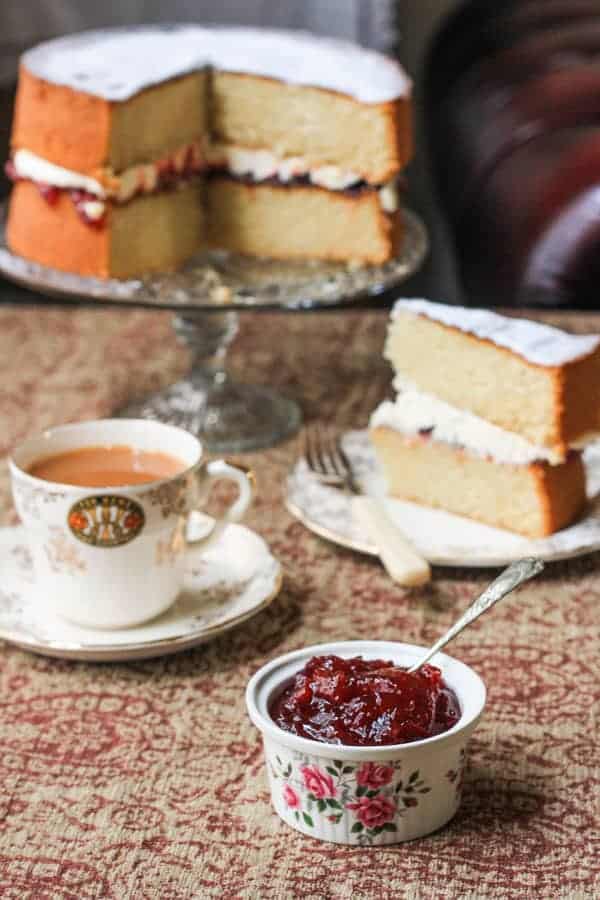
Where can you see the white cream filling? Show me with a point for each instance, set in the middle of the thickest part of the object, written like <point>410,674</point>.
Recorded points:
<point>139,179</point>
<point>413,412</point>
<point>262,164</point>
<point>389,196</point>
<point>257,164</point>
<point>28,165</point>
<point>333,178</point>
<point>93,209</point>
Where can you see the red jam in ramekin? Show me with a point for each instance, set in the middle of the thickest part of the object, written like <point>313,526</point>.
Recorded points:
<point>365,702</point>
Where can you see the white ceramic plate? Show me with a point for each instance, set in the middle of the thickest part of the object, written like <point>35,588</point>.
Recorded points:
<point>225,585</point>
<point>442,538</point>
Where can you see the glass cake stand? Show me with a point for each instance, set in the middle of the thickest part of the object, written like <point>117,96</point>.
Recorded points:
<point>206,296</point>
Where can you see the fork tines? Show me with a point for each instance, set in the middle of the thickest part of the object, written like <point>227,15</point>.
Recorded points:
<point>324,454</point>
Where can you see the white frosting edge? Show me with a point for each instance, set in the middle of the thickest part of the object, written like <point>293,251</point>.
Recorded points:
<point>413,411</point>
<point>116,64</point>
<point>540,344</point>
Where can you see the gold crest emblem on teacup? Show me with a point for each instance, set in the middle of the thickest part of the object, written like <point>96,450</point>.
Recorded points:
<point>106,520</point>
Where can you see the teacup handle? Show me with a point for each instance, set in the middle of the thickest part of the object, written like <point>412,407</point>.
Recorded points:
<point>219,470</point>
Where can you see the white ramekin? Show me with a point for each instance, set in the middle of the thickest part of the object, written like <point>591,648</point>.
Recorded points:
<point>365,795</point>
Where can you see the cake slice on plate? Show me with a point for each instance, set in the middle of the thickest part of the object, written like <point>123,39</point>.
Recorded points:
<point>483,424</point>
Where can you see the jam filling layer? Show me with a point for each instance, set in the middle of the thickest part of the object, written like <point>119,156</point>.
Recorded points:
<point>252,166</point>
<point>90,192</point>
<point>354,190</point>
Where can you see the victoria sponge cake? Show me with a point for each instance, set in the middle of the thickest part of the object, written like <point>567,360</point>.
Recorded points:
<point>132,149</point>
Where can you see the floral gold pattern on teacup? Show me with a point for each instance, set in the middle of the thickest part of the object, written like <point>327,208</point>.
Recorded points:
<point>23,557</point>
<point>31,497</point>
<point>168,550</point>
<point>171,497</point>
<point>63,555</point>
<point>106,520</point>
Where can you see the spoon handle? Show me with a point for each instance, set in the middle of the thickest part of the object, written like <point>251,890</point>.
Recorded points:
<point>507,581</point>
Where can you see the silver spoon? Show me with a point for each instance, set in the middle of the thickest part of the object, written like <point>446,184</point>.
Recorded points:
<point>507,581</point>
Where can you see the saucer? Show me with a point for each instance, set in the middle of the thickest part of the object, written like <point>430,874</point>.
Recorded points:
<point>441,537</point>
<point>226,584</point>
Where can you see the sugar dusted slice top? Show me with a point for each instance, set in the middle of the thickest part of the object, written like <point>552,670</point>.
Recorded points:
<point>542,345</point>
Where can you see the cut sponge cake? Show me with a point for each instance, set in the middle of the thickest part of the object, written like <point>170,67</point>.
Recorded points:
<point>534,499</point>
<point>528,378</point>
<point>297,140</point>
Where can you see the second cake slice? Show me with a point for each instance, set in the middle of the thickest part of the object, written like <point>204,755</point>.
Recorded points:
<point>528,378</point>
<point>490,416</point>
<point>442,457</point>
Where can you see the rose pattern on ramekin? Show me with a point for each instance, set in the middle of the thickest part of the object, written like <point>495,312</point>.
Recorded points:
<point>455,776</point>
<point>373,795</point>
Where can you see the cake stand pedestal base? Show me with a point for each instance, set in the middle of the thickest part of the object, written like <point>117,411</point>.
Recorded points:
<point>227,417</point>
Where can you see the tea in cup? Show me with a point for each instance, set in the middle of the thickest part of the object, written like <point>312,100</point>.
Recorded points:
<point>106,505</point>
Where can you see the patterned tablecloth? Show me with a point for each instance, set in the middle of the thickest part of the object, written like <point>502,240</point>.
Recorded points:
<point>146,780</point>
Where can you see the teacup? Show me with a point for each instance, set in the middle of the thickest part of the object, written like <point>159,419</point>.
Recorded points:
<point>114,557</point>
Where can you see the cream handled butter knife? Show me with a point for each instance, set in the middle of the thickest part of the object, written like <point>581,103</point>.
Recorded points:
<point>402,562</point>
<point>326,458</point>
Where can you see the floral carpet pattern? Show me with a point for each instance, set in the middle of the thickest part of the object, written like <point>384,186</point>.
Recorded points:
<point>146,780</point>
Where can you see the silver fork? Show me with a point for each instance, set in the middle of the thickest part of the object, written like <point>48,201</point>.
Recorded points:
<point>326,458</point>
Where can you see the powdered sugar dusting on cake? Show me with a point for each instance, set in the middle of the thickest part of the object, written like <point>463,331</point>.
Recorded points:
<point>540,344</point>
<point>115,64</point>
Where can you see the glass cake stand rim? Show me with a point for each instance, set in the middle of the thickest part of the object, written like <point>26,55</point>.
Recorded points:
<point>67,288</point>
